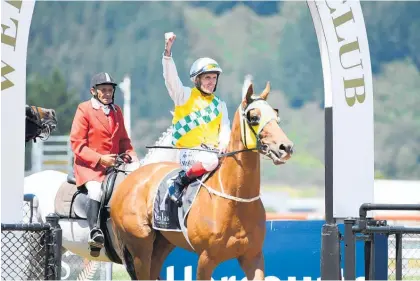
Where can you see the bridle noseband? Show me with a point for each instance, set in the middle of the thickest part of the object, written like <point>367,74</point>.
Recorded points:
<point>259,146</point>
<point>244,114</point>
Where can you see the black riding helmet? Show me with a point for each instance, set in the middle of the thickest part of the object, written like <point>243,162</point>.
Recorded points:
<point>102,78</point>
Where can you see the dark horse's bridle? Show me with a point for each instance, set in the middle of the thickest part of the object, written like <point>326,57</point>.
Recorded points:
<point>43,127</point>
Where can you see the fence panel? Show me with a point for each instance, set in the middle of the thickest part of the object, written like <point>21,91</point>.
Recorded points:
<point>31,250</point>
<point>54,153</point>
<point>27,251</point>
<point>410,256</point>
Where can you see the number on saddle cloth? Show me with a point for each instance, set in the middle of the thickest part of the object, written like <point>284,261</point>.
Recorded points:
<point>188,157</point>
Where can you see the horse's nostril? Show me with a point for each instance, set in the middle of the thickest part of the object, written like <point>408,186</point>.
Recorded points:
<point>286,148</point>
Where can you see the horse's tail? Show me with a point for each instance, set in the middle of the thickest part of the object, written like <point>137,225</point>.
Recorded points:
<point>159,155</point>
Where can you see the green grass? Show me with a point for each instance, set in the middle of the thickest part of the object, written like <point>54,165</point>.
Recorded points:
<point>119,273</point>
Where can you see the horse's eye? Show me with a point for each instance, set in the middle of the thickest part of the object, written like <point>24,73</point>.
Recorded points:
<point>255,120</point>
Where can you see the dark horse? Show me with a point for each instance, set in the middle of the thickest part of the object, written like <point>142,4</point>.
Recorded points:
<point>40,123</point>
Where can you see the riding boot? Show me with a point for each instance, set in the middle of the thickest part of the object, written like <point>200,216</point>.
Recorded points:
<point>178,185</point>
<point>96,237</point>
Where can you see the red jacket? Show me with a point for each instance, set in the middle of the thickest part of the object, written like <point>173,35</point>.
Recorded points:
<point>91,137</point>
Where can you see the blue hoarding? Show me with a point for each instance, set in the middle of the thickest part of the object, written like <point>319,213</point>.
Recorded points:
<point>292,249</point>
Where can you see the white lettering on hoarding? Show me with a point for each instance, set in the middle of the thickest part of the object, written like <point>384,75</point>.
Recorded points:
<point>170,276</point>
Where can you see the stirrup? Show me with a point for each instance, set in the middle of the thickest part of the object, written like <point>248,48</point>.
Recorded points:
<point>177,200</point>
<point>96,238</point>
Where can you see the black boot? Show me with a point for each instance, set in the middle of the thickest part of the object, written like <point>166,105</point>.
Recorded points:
<point>96,237</point>
<point>175,190</point>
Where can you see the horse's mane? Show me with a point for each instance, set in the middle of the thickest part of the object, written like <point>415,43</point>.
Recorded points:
<point>155,155</point>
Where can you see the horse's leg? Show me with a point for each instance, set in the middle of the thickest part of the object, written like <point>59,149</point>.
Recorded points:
<point>140,249</point>
<point>161,249</point>
<point>129,264</point>
<point>206,266</point>
<point>253,266</point>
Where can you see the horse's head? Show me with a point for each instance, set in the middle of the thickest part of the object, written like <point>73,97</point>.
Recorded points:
<point>40,122</point>
<point>260,127</point>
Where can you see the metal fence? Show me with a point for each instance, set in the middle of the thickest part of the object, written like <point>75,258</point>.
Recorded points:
<point>31,250</point>
<point>404,257</point>
<point>26,252</point>
<point>54,154</point>
<point>391,251</point>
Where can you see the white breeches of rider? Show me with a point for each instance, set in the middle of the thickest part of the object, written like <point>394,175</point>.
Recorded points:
<point>208,160</point>
<point>94,190</point>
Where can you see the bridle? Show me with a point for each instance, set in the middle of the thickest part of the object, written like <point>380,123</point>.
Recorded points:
<point>44,129</point>
<point>254,138</point>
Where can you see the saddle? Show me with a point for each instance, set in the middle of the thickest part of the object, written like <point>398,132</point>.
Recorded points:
<point>167,216</point>
<point>71,203</point>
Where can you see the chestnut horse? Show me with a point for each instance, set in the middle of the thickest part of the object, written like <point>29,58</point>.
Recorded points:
<point>227,218</point>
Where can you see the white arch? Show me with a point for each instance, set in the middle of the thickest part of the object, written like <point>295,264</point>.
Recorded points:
<point>16,16</point>
<point>346,66</point>
<point>345,57</point>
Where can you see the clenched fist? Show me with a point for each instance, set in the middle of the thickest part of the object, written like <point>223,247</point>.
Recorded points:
<point>169,40</point>
<point>108,160</point>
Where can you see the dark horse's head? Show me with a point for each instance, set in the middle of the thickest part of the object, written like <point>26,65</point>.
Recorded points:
<point>40,122</point>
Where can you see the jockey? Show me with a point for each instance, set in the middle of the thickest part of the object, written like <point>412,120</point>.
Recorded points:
<point>200,118</point>
<point>97,136</point>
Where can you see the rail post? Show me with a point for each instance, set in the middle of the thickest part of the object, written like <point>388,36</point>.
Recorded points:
<point>57,241</point>
<point>349,250</point>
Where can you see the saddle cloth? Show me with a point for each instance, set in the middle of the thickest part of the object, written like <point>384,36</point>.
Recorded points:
<point>65,196</point>
<point>167,216</point>
<point>69,197</point>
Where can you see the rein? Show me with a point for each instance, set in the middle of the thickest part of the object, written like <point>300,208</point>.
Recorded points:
<point>259,146</point>
<point>227,154</point>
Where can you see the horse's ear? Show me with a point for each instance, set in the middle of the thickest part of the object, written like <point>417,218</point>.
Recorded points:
<point>249,93</point>
<point>266,91</point>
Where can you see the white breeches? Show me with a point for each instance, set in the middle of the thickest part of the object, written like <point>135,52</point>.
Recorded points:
<point>94,190</point>
<point>187,158</point>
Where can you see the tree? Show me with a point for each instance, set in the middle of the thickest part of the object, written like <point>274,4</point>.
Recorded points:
<point>53,92</point>
<point>397,120</point>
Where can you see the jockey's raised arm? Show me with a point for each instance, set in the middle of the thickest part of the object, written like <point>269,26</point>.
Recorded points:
<point>177,91</point>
